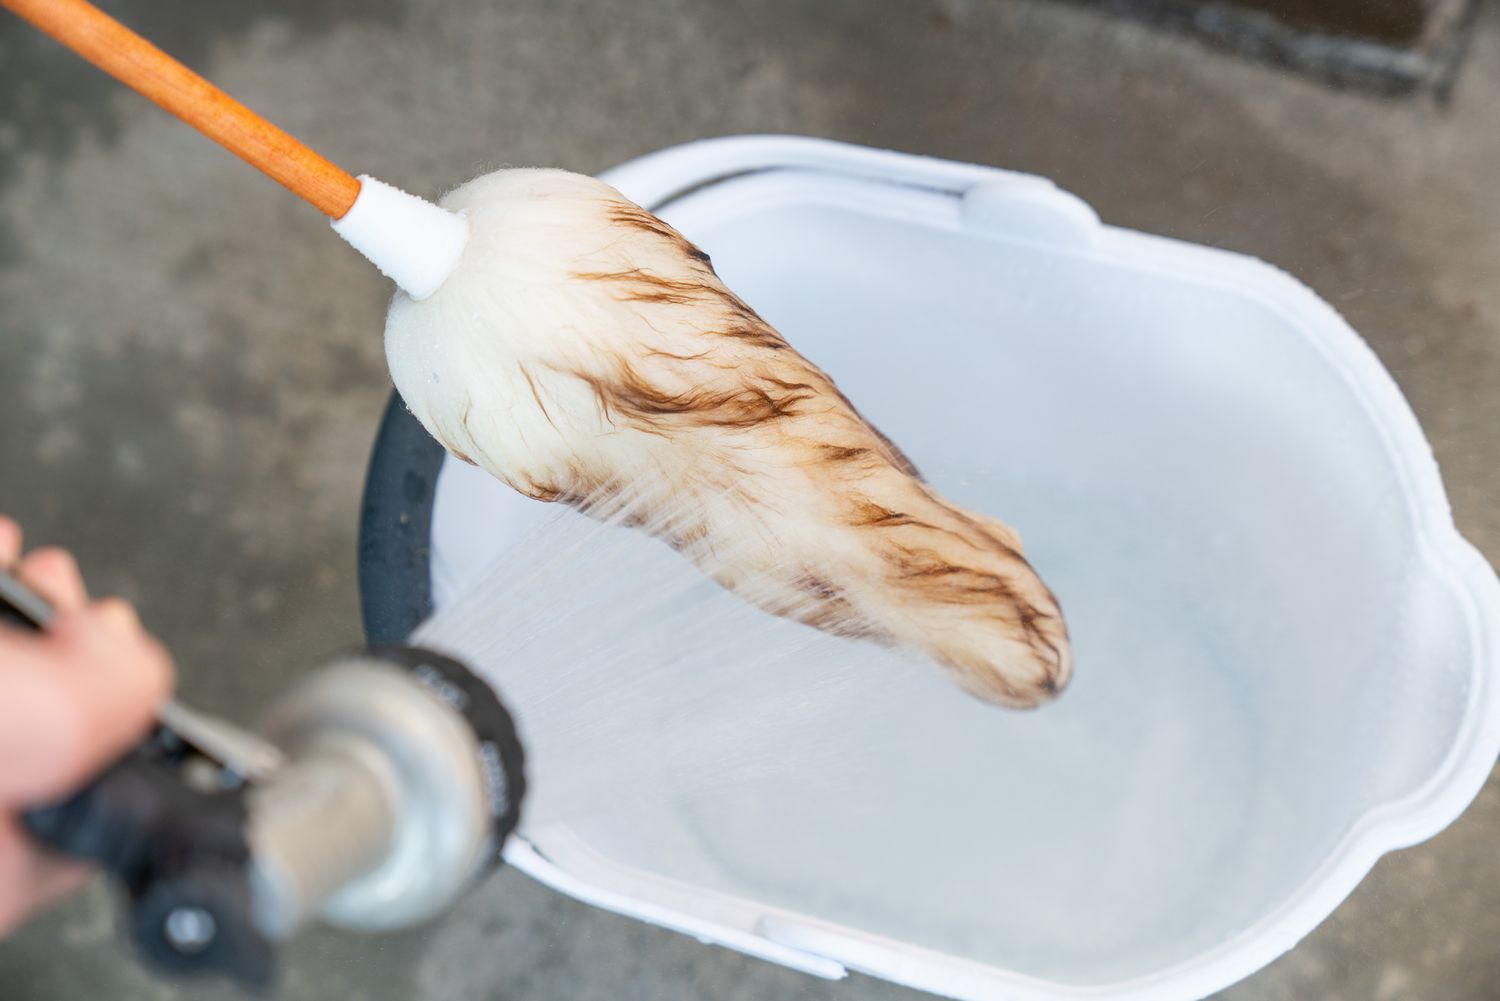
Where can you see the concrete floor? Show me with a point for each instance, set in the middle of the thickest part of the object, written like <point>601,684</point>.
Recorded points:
<point>191,366</point>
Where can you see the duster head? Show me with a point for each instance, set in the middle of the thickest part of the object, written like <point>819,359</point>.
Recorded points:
<point>584,352</point>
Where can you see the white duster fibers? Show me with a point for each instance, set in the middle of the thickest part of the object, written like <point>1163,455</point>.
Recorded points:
<point>583,351</point>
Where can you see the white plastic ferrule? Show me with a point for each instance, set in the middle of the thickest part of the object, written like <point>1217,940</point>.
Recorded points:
<point>413,242</point>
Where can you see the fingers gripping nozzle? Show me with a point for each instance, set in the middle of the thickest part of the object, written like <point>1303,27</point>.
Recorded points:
<point>377,791</point>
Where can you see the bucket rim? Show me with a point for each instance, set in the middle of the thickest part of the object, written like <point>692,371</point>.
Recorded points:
<point>394,562</point>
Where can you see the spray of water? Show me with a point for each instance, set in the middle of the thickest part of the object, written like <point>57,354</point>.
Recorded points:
<point>637,679</point>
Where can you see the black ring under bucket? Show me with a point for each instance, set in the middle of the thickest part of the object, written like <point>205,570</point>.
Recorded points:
<point>395,527</point>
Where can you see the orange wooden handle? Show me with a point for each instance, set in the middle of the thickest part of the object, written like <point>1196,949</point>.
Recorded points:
<point>137,63</point>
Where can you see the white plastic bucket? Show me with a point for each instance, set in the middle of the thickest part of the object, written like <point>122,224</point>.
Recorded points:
<point>1285,652</point>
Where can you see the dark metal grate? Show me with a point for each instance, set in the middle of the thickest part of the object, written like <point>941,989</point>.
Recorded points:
<point>1391,46</point>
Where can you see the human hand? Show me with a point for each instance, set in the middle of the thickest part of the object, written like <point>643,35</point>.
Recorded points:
<point>71,701</point>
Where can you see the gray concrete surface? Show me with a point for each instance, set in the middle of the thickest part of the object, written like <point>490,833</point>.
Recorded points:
<point>191,370</point>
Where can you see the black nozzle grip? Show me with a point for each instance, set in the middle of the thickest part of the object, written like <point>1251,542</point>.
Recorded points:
<point>181,855</point>
<point>180,851</point>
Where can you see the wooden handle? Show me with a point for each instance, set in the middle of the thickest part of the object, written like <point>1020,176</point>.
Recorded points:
<point>137,63</point>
